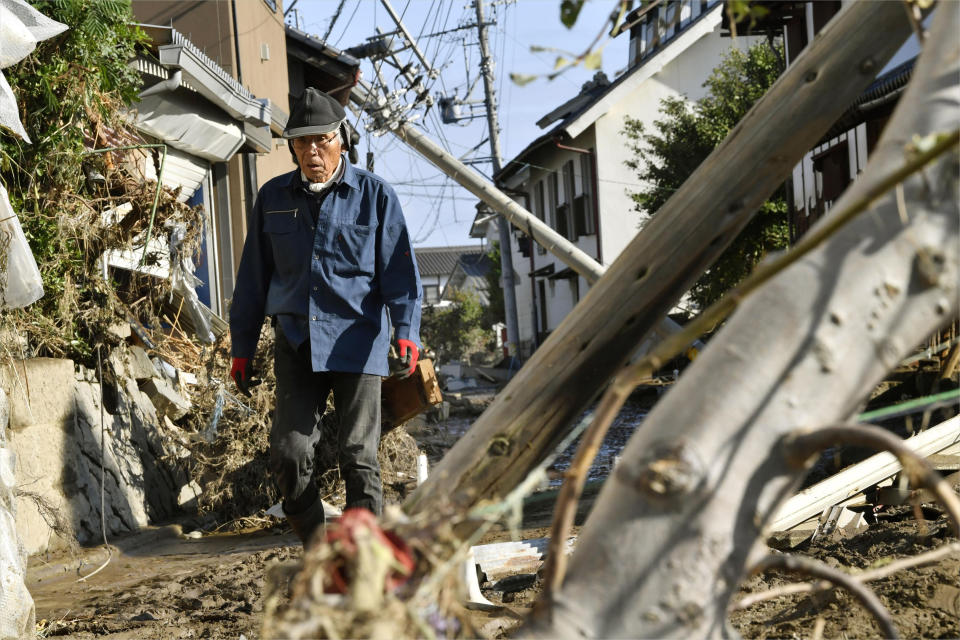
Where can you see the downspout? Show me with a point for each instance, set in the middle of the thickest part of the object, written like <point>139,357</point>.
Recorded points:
<point>594,186</point>
<point>236,40</point>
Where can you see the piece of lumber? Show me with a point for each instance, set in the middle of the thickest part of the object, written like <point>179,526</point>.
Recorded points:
<point>858,477</point>
<point>533,413</point>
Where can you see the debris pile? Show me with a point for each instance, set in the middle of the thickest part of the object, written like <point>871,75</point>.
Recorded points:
<point>395,588</point>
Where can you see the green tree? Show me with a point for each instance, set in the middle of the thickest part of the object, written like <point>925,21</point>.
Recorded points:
<point>684,136</point>
<point>458,330</point>
<point>495,310</point>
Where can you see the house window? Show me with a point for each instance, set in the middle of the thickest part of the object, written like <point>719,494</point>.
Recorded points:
<point>650,38</point>
<point>565,226</point>
<point>831,170</point>
<point>796,33</point>
<point>582,200</point>
<point>823,12</point>
<point>431,294</point>
<point>538,209</point>
<point>671,19</point>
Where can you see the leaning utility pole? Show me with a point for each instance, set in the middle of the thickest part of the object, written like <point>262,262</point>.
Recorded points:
<point>506,252</point>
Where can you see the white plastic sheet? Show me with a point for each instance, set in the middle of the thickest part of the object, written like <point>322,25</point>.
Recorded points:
<point>185,283</point>
<point>21,28</point>
<point>9,113</point>
<point>20,281</point>
<point>16,604</point>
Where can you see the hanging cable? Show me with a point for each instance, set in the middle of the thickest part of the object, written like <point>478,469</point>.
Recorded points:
<point>103,477</point>
<point>333,20</point>
<point>349,21</point>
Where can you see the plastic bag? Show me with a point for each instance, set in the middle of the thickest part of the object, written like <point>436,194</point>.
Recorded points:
<point>20,281</point>
<point>21,28</point>
<point>9,112</point>
<point>185,283</point>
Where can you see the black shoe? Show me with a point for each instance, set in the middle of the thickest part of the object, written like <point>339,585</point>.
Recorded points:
<point>306,523</point>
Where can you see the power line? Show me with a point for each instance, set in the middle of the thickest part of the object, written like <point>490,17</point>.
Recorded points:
<point>333,20</point>
<point>349,21</point>
<point>458,198</point>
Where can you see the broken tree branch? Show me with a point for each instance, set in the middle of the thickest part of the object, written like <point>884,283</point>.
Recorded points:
<point>927,557</point>
<point>817,569</point>
<point>800,446</point>
<point>805,348</point>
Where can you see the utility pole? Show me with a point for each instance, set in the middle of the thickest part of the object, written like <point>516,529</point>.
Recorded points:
<point>381,112</point>
<point>506,252</point>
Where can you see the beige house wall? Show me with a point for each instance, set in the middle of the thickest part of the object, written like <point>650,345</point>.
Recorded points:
<point>238,205</point>
<point>263,69</point>
<point>206,23</point>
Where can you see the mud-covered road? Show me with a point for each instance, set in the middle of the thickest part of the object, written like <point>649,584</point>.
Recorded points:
<point>159,584</point>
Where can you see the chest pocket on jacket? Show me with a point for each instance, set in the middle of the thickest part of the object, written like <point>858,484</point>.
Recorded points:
<point>280,227</point>
<point>356,250</point>
<point>280,221</point>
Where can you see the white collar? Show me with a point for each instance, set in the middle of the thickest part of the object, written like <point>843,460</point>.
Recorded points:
<point>319,187</point>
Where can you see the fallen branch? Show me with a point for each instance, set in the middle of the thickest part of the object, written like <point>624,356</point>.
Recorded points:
<point>675,525</point>
<point>798,447</point>
<point>809,566</point>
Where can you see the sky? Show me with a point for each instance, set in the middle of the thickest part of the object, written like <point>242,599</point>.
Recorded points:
<point>438,211</point>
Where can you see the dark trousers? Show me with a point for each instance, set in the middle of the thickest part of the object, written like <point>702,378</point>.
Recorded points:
<point>301,401</point>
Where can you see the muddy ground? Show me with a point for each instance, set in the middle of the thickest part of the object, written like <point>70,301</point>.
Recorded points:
<point>163,583</point>
<point>924,601</point>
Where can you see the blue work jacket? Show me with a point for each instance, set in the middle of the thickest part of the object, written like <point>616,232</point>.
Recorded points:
<point>338,277</point>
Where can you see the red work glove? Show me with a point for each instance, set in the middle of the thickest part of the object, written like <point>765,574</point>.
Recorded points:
<point>409,354</point>
<point>243,374</point>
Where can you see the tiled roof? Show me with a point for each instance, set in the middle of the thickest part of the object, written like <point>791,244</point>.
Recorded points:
<point>440,261</point>
<point>470,275</point>
<point>477,264</point>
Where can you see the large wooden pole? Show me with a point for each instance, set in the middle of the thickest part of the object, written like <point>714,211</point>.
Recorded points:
<point>662,561</point>
<point>531,415</point>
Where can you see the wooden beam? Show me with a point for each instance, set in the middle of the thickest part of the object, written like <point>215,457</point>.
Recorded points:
<point>540,405</point>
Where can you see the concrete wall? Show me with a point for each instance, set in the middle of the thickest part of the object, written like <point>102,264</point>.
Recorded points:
<point>61,435</point>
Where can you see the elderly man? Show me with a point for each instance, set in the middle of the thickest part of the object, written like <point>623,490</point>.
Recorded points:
<point>327,257</point>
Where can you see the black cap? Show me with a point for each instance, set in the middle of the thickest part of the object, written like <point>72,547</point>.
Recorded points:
<point>316,113</point>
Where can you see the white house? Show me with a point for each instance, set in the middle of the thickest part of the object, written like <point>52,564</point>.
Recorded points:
<point>835,161</point>
<point>574,176</point>
<point>436,264</point>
